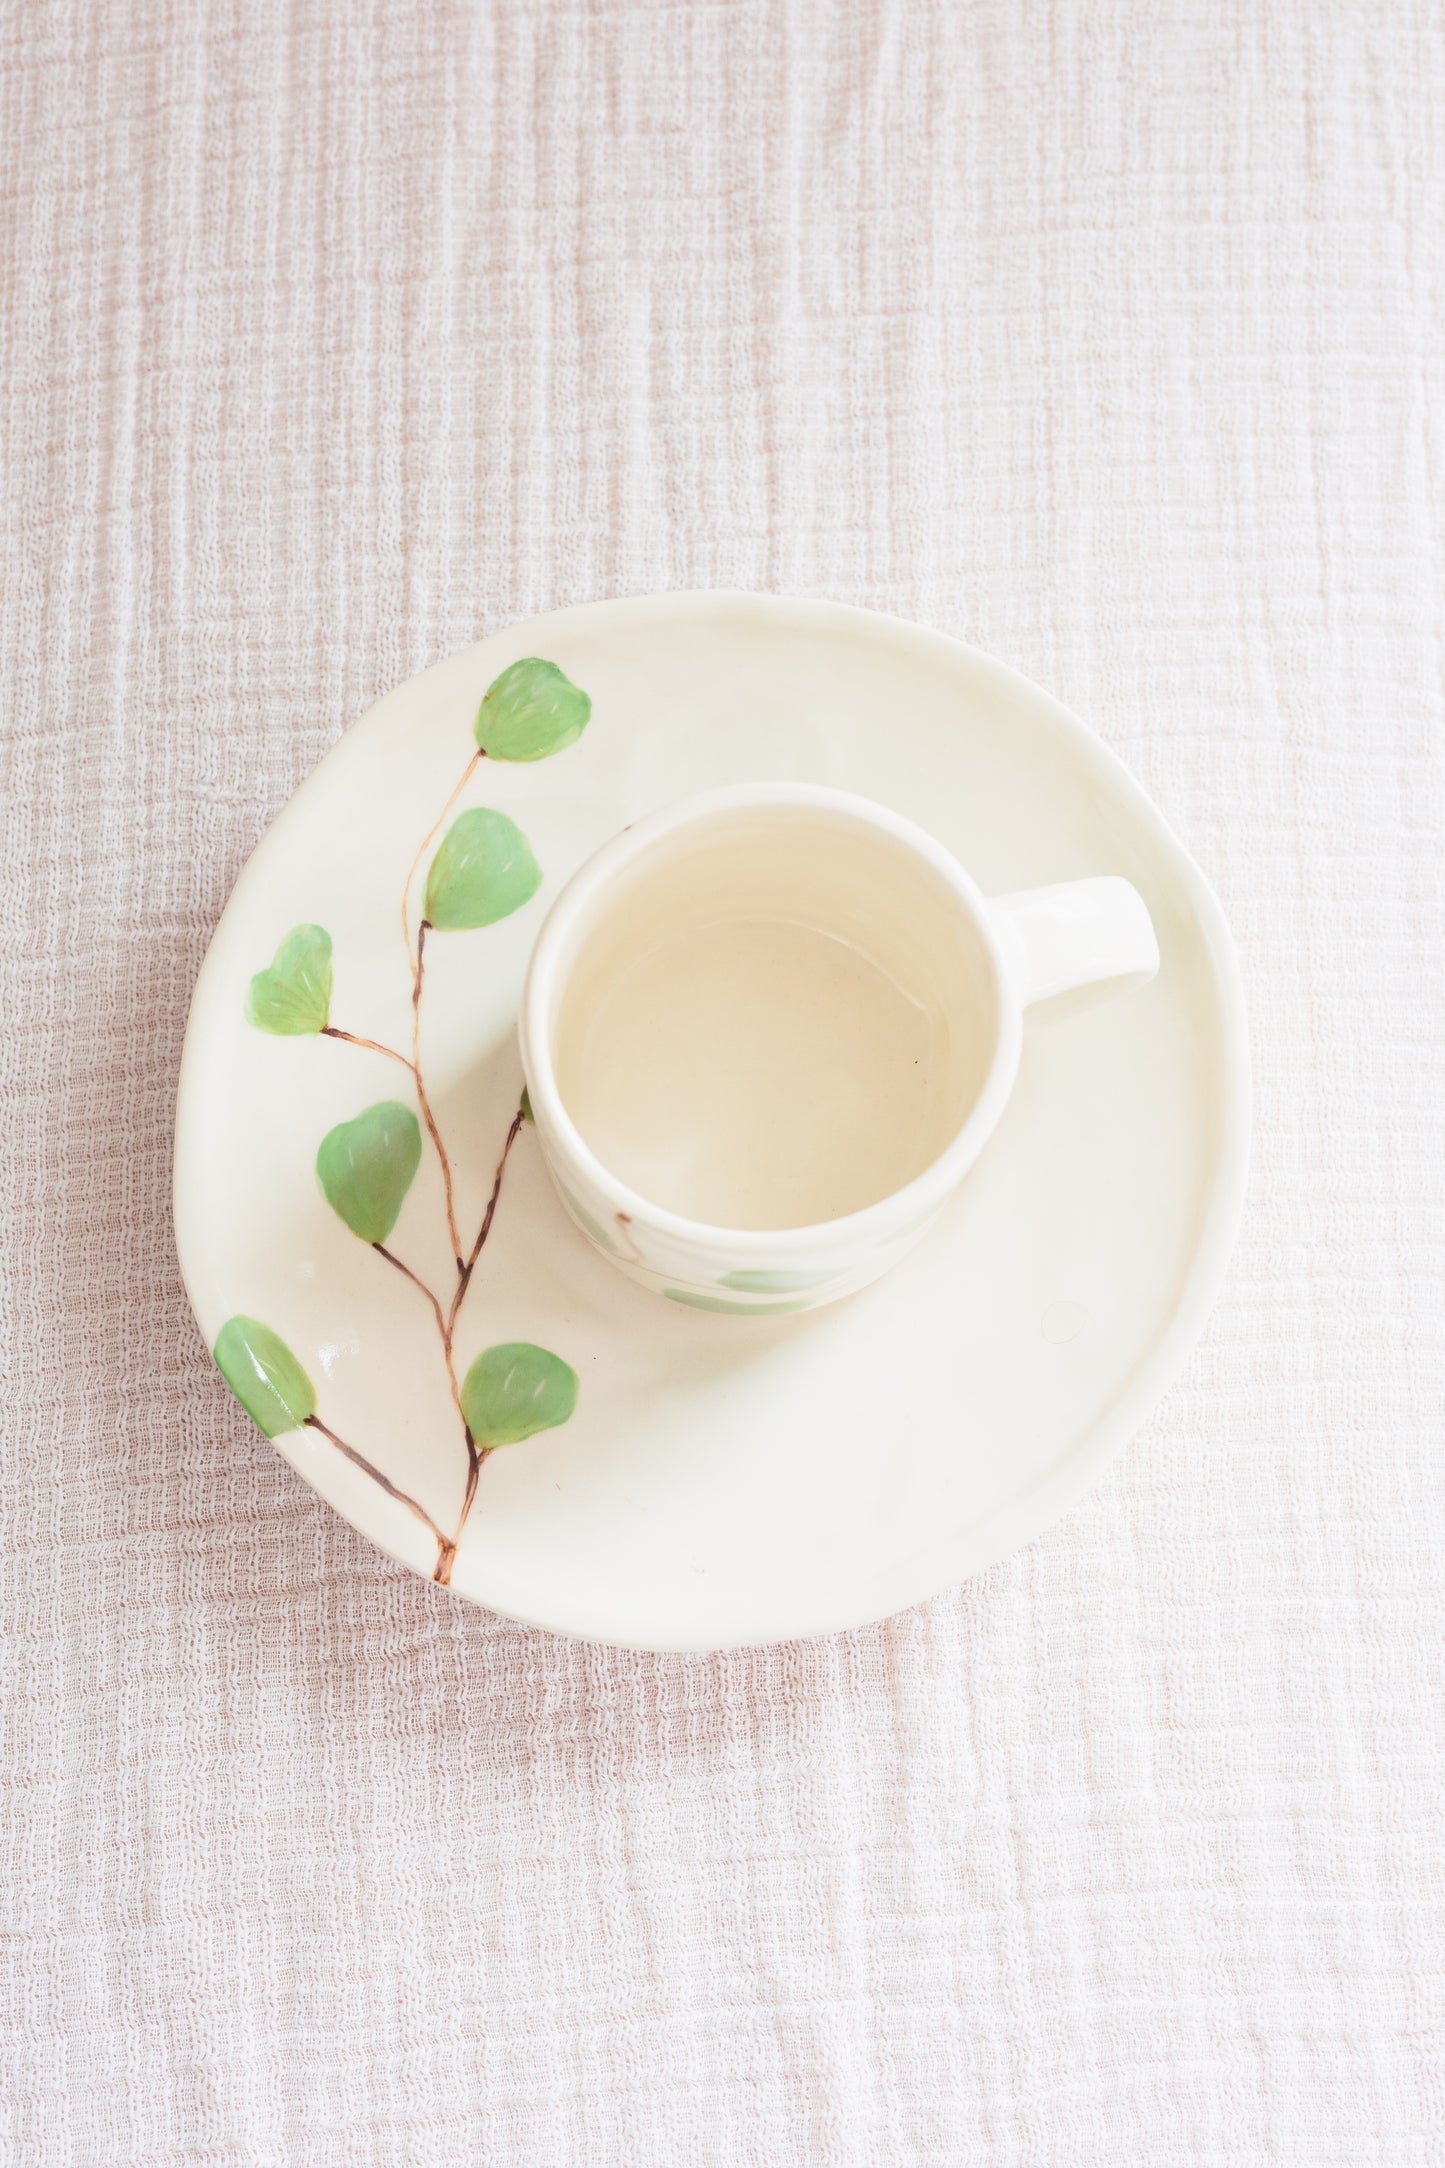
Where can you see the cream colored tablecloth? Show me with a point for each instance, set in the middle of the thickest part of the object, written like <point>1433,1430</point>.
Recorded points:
<point>1108,336</point>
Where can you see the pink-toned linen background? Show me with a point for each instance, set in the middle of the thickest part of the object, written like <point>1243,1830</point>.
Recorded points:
<point>334,334</point>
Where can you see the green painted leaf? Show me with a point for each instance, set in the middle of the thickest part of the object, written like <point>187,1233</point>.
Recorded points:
<point>531,710</point>
<point>484,871</point>
<point>775,1283</point>
<point>365,1167</point>
<point>734,1309</point>
<point>513,1391</point>
<point>527,1114</point>
<point>264,1375</point>
<point>293,996</point>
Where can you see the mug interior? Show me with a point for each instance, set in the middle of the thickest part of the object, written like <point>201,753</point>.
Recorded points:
<point>773,1015</point>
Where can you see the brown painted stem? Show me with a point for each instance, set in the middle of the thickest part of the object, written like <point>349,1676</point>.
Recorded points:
<point>447,1546</point>
<point>443,1324</point>
<point>475,1456</point>
<point>329,1031</point>
<point>465,1279</point>
<point>418,966</point>
<point>427,1116</point>
<point>314,1422</point>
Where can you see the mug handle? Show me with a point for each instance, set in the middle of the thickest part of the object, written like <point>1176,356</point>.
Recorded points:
<point>1075,934</point>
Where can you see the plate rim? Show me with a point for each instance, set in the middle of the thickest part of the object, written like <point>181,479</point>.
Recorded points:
<point>1034,1511</point>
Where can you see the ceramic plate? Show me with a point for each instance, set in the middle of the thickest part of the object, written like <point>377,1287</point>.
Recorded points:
<point>668,1478</point>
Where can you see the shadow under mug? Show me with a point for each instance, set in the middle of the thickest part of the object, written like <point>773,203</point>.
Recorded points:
<point>767,1031</point>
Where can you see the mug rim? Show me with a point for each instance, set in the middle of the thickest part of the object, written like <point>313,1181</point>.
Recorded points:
<point>579,898</point>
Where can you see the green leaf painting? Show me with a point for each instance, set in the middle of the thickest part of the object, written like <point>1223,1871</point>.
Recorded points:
<point>365,1167</point>
<point>484,871</point>
<point>531,711</point>
<point>264,1375</point>
<point>775,1283</point>
<point>513,1391</point>
<point>293,997</point>
<point>586,1221</point>
<point>734,1309</point>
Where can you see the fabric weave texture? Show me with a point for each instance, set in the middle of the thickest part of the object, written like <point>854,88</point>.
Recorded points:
<point>334,333</point>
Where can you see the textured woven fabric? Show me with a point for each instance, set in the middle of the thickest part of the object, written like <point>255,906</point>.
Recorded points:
<point>333,334</point>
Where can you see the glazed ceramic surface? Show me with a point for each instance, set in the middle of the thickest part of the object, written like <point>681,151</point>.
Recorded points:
<point>767,1032</point>
<point>428,1339</point>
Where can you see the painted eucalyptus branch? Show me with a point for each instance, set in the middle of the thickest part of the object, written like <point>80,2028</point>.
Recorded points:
<point>483,871</point>
<point>330,1031</point>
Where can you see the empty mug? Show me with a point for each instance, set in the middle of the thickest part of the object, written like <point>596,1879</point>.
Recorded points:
<point>768,1030</point>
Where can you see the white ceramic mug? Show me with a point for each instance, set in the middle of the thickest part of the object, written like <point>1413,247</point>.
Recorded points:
<point>767,1031</point>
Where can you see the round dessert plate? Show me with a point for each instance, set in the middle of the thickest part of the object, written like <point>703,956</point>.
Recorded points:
<point>551,1439</point>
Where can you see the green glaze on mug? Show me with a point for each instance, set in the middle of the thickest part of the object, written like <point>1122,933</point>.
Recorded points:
<point>589,1225</point>
<point>776,1283</point>
<point>734,1309</point>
